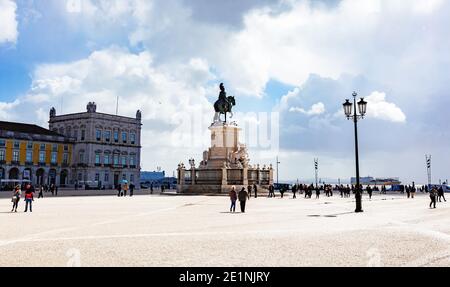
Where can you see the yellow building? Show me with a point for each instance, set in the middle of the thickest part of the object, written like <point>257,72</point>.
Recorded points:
<point>30,152</point>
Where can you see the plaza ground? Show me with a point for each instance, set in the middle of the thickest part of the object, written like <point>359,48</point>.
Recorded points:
<point>156,230</point>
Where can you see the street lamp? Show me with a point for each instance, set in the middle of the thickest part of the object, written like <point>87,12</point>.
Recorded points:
<point>362,107</point>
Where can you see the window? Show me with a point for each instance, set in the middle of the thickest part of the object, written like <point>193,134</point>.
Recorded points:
<point>54,147</point>
<point>80,177</point>
<point>106,159</point>
<point>16,144</point>
<point>66,148</point>
<point>75,134</point>
<point>124,137</point>
<point>16,155</point>
<point>116,159</point>
<point>42,156</point>
<point>124,160</point>
<point>116,136</point>
<point>106,177</point>
<point>97,159</point>
<point>97,177</point>
<point>2,155</point>
<point>107,136</point>
<point>132,160</point>
<point>81,157</point>
<point>42,147</point>
<point>124,176</point>
<point>133,138</point>
<point>2,143</point>
<point>29,157</point>
<point>65,158</point>
<point>30,145</point>
<point>131,177</point>
<point>54,157</point>
<point>83,134</point>
<point>98,135</point>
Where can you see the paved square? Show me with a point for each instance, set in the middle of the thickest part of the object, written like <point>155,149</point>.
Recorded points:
<point>199,231</point>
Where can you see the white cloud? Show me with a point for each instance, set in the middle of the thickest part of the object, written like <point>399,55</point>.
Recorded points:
<point>7,110</point>
<point>8,22</point>
<point>378,108</point>
<point>316,109</point>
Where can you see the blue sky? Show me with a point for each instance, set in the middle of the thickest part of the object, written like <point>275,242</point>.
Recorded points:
<point>299,59</point>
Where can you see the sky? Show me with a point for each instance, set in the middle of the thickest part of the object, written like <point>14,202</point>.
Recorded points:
<point>289,64</point>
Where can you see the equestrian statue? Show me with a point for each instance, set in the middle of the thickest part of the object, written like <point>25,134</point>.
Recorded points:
<point>223,105</point>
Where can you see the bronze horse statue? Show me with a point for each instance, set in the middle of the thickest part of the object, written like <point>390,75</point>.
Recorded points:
<point>223,105</point>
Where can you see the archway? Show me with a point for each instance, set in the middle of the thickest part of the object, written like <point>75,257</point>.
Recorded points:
<point>2,173</point>
<point>63,177</point>
<point>27,174</point>
<point>40,176</point>
<point>52,176</point>
<point>14,173</point>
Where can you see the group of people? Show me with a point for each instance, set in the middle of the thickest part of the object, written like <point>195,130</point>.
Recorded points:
<point>28,197</point>
<point>436,194</point>
<point>123,190</point>
<point>45,188</point>
<point>243,196</point>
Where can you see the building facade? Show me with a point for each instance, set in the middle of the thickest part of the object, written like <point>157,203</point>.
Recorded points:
<point>107,148</point>
<point>30,152</point>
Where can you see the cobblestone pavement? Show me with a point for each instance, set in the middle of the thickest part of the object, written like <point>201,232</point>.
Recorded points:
<point>158,230</point>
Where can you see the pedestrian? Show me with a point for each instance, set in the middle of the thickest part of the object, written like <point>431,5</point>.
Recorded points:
<point>249,188</point>
<point>243,196</point>
<point>52,189</point>
<point>294,191</point>
<point>413,191</point>
<point>408,191</point>
<point>29,197</point>
<point>433,192</point>
<point>56,190</point>
<point>255,189</point>
<point>16,198</point>
<point>369,191</point>
<point>271,191</point>
<point>233,198</point>
<point>41,192</point>
<point>440,193</point>
<point>119,190</point>
<point>125,189</point>
<point>151,188</point>
<point>282,190</point>
<point>131,189</point>
<point>317,192</point>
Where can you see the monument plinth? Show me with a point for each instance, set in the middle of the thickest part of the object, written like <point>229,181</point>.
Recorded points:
<point>226,162</point>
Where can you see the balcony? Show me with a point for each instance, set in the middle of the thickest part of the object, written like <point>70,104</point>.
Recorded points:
<point>54,164</point>
<point>15,162</point>
<point>29,163</point>
<point>42,164</point>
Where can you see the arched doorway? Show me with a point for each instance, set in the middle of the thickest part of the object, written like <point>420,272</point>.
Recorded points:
<point>52,176</point>
<point>2,173</point>
<point>27,174</point>
<point>40,176</point>
<point>14,173</point>
<point>63,177</point>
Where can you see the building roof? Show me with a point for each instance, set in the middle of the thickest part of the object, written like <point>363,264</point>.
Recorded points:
<point>26,128</point>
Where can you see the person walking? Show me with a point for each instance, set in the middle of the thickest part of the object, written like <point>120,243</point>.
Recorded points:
<point>131,189</point>
<point>294,191</point>
<point>151,188</point>
<point>271,191</point>
<point>243,196</point>
<point>119,190</point>
<point>233,197</point>
<point>369,191</point>
<point>52,189</point>
<point>29,197</point>
<point>282,190</point>
<point>41,192</point>
<point>413,191</point>
<point>56,190</point>
<point>440,194</point>
<point>125,189</point>
<point>317,192</point>
<point>255,189</point>
<point>16,198</point>
<point>249,188</point>
<point>433,192</point>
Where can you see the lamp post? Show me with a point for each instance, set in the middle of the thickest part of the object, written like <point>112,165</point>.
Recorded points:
<point>362,106</point>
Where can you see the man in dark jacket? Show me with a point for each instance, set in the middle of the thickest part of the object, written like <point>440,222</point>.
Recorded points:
<point>440,194</point>
<point>255,189</point>
<point>243,196</point>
